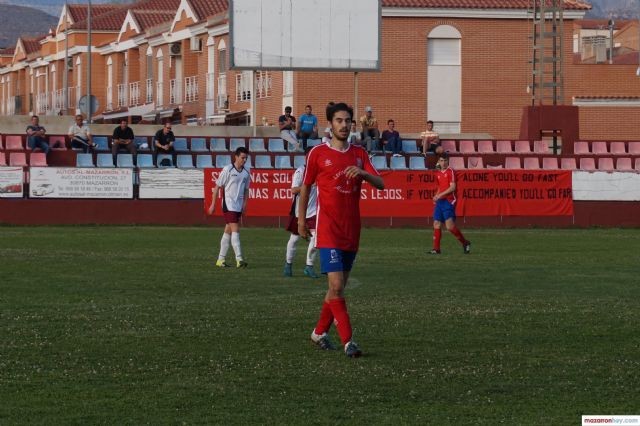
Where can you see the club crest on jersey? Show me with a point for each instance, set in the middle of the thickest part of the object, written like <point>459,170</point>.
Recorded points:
<point>327,163</point>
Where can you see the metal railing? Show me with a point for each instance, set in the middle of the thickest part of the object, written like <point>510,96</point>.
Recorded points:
<point>191,89</point>
<point>122,95</point>
<point>78,96</point>
<point>42,103</point>
<point>159,97</point>
<point>263,84</point>
<point>134,93</point>
<point>243,87</point>
<point>149,91</point>
<point>175,91</point>
<point>211,84</point>
<point>109,106</point>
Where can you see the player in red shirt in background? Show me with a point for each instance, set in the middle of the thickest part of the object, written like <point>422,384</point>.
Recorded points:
<point>445,206</point>
<point>338,169</point>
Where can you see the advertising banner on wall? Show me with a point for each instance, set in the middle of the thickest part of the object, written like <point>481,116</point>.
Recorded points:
<point>68,182</point>
<point>170,183</point>
<point>605,186</point>
<point>410,193</point>
<point>11,182</point>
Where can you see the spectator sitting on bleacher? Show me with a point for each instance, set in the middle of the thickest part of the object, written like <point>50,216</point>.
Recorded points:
<point>370,132</point>
<point>307,126</point>
<point>36,135</point>
<point>431,140</point>
<point>163,140</point>
<point>122,138</point>
<point>390,140</point>
<point>80,135</point>
<point>355,137</point>
<point>287,124</point>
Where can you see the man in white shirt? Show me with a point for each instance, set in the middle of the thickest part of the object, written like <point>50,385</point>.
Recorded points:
<point>234,179</point>
<point>80,135</point>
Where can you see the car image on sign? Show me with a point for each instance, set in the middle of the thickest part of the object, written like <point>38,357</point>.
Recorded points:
<point>42,190</point>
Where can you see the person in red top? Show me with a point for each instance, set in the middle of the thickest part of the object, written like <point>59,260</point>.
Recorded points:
<point>445,206</point>
<point>338,170</point>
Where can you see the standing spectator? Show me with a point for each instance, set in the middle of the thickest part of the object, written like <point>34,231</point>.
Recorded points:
<point>431,140</point>
<point>338,169</point>
<point>445,206</point>
<point>81,136</point>
<point>296,184</point>
<point>307,126</point>
<point>234,180</point>
<point>370,132</point>
<point>287,124</point>
<point>122,138</point>
<point>36,135</point>
<point>163,140</point>
<point>390,139</point>
<point>355,137</point>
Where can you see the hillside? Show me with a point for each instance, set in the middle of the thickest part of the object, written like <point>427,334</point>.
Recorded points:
<point>618,9</point>
<point>22,21</point>
<point>54,7</point>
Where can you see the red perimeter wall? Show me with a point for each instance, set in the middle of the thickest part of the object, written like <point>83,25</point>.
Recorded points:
<point>190,212</point>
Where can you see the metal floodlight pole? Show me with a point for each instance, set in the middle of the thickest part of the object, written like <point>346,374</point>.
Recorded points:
<point>65,67</point>
<point>88,100</point>
<point>611,25</point>
<point>638,70</point>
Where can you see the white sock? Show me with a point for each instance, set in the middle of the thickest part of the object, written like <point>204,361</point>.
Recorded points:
<point>224,245</point>
<point>291,247</point>
<point>235,242</point>
<point>311,250</point>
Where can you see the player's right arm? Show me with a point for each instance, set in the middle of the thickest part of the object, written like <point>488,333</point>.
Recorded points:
<point>212,207</point>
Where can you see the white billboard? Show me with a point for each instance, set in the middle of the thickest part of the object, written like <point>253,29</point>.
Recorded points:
<point>71,182</point>
<point>606,186</point>
<point>11,182</point>
<point>340,35</point>
<point>171,183</point>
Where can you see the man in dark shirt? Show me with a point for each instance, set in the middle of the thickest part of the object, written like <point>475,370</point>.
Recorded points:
<point>287,124</point>
<point>163,140</point>
<point>122,139</point>
<point>36,135</point>
<point>390,139</point>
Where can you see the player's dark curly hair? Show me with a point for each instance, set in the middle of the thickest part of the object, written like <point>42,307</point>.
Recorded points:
<point>332,109</point>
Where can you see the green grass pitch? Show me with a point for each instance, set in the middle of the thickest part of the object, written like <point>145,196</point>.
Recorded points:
<point>134,325</point>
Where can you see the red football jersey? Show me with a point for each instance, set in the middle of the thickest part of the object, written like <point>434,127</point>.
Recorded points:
<point>445,178</point>
<point>338,214</point>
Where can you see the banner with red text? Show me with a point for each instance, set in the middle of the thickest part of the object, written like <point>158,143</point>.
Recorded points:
<point>410,193</point>
<point>514,193</point>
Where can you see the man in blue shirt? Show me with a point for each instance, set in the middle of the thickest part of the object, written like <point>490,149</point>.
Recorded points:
<point>307,126</point>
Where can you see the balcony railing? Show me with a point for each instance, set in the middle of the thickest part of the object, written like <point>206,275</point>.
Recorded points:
<point>175,92</point>
<point>223,99</point>
<point>191,89</point>
<point>109,106</point>
<point>59,102</point>
<point>122,95</point>
<point>11,105</point>
<point>134,93</point>
<point>78,96</point>
<point>159,97</point>
<point>263,84</point>
<point>210,89</point>
<point>149,91</point>
<point>42,103</point>
<point>243,87</point>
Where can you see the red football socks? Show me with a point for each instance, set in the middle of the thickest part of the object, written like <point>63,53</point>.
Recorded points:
<point>343,323</point>
<point>455,231</point>
<point>326,318</point>
<point>437,236</point>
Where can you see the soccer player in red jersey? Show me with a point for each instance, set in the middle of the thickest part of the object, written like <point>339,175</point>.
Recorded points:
<point>338,169</point>
<point>445,206</point>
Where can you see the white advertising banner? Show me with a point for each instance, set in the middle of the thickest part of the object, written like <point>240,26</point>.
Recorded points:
<point>171,183</point>
<point>11,182</point>
<point>68,182</point>
<point>605,186</point>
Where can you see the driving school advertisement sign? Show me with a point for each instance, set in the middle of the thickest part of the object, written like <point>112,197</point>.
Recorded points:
<point>410,193</point>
